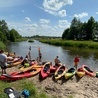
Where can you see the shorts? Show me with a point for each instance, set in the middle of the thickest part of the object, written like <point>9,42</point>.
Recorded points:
<point>3,67</point>
<point>76,64</point>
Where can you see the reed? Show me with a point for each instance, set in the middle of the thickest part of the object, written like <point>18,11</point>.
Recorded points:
<point>71,43</point>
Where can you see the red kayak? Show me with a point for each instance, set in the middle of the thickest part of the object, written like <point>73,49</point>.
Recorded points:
<point>45,71</point>
<point>20,75</point>
<point>53,68</point>
<point>88,71</point>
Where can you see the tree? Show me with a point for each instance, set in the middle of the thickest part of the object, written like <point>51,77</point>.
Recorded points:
<point>65,34</point>
<point>89,28</point>
<point>74,29</point>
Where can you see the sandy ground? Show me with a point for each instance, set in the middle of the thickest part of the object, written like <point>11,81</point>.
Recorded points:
<point>86,87</point>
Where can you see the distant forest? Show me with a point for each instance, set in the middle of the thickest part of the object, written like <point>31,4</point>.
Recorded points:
<point>77,31</point>
<point>6,34</point>
<point>81,31</point>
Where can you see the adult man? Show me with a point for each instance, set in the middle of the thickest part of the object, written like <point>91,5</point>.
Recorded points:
<point>3,61</point>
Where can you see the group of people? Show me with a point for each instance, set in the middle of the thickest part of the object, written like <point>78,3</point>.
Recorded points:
<point>76,61</point>
<point>27,59</point>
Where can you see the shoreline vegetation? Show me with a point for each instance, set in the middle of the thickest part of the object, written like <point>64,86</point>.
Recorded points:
<point>22,84</point>
<point>71,43</point>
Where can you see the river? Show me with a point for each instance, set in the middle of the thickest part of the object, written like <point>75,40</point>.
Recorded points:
<point>49,52</point>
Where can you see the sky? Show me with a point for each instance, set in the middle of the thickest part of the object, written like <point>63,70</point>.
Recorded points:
<point>45,17</point>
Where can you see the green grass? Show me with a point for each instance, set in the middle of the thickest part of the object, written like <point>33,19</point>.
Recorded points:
<point>21,85</point>
<point>2,45</point>
<point>71,43</point>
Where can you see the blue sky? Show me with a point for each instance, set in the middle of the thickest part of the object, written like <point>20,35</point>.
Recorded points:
<point>45,17</point>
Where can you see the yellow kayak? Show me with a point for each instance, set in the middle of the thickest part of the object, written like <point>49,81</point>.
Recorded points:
<point>80,73</point>
<point>60,72</point>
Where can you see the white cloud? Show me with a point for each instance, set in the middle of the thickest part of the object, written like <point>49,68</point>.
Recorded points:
<point>31,25</point>
<point>84,14</point>
<point>43,28</point>
<point>62,13</point>
<point>63,24</point>
<point>46,21</point>
<point>54,7</point>
<point>27,19</point>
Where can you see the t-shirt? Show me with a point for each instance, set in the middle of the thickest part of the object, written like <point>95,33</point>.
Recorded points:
<point>76,59</point>
<point>3,59</point>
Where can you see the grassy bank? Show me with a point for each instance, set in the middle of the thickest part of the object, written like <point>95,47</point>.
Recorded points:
<point>71,43</point>
<point>21,85</point>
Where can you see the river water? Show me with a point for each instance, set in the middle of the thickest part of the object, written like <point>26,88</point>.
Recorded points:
<point>49,52</point>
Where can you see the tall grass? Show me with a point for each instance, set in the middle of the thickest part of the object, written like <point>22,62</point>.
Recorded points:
<point>71,43</point>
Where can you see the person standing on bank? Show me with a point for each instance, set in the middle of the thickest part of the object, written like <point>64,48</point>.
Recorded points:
<point>29,53</point>
<point>40,56</point>
<point>3,61</point>
<point>76,61</point>
<point>57,61</point>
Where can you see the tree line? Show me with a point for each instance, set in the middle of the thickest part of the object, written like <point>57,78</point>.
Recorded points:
<point>6,34</point>
<point>81,31</point>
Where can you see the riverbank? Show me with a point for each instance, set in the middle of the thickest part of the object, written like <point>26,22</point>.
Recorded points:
<point>86,87</point>
<point>71,43</point>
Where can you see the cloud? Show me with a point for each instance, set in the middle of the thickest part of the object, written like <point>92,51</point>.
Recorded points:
<point>31,25</point>
<point>42,28</point>
<point>63,24</point>
<point>27,19</point>
<point>54,7</point>
<point>45,21</point>
<point>96,12</point>
<point>62,13</point>
<point>82,15</point>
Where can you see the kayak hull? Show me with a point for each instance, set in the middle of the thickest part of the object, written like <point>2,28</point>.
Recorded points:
<point>88,71</point>
<point>20,75</point>
<point>70,73</point>
<point>60,72</point>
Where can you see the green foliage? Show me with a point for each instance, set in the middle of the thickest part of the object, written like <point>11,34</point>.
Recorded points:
<point>6,34</point>
<point>2,45</point>
<point>30,40</point>
<point>81,31</point>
